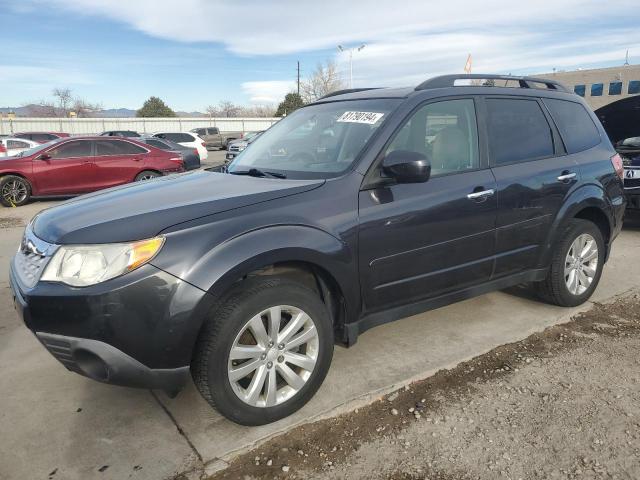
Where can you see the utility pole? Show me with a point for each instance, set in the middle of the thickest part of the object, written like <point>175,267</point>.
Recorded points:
<point>298,77</point>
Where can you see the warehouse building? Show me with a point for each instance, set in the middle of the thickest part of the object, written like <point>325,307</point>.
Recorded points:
<point>600,86</point>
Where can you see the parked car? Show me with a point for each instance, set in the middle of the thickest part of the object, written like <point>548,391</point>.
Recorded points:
<point>41,137</point>
<point>340,217</point>
<point>10,146</point>
<point>214,138</point>
<point>120,133</point>
<point>190,156</point>
<point>629,150</point>
<point>234,148</point>
<point>68,167</point>
<point>185,139</point>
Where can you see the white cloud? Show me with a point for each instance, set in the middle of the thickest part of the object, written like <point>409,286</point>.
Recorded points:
<point>406,41</point>
<point>267,92</point>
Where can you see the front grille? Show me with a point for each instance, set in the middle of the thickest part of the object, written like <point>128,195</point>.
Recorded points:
<point>29,267</point>
<point>61,349</point>
<point>632,182</point>
<point>32,257</point>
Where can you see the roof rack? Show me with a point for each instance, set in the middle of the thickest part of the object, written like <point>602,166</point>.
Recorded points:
<point>347,90</point>
<point>444,81</point>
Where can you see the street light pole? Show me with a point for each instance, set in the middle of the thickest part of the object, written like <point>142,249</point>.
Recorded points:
<point>351,50</point>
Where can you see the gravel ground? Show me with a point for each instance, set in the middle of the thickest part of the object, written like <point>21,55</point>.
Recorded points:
<point>562,404</point>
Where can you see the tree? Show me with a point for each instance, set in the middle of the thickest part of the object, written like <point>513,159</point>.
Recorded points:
<point>155,107</point>
<point>324,80</point>
<point>64,98</point>
<point>291,102</point>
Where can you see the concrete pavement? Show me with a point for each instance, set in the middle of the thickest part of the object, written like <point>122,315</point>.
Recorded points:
<point>55,421</point>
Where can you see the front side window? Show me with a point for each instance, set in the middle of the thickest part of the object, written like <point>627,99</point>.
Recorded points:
<point>615,88</point>
<point>71,150</point>
<point>317,141</point>
<point>518,131</point>
<point>596,90</point>
<point>42,137</point>
<point>580,90</point>
<point>574,123</point>
<point>179,137</point>
<point>445,133</point>
<point>634,87</point>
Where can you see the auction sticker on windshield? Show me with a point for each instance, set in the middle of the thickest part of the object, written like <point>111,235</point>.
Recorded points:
<point>360,117</point>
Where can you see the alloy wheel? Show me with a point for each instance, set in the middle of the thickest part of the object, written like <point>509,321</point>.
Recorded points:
<point>273,356</point>
<point>14,191</point>
<point>581,264</point>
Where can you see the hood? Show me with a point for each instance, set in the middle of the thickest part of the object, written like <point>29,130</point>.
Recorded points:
<point>142,210</point>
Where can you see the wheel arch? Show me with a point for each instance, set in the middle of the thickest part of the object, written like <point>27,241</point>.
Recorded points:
<point>310,255</point>
<point>587,203</point>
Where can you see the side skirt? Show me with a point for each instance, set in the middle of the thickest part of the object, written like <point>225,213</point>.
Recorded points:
<point>353,329</point>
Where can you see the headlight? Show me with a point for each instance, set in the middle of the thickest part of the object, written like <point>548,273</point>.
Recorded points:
<point>83,265</point>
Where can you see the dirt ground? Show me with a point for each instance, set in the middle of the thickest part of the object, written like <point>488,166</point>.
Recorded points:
<point>562,404</point>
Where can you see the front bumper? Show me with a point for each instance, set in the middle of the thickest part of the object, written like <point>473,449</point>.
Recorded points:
<point>633,198</point>
<point>137,330</point>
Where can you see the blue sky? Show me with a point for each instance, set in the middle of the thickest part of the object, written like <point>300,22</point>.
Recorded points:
<point>194,53</point>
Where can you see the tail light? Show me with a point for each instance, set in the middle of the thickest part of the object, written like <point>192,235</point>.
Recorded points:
<point>203,144</point>
<point>242,135</point>
<point>195,150</point>
<point>618,166</point>
<point>3,149</point>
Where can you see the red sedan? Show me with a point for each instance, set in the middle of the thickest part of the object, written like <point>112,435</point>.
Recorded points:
<point>73,166</point>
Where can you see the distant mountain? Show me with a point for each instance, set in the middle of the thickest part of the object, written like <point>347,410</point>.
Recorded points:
<point>32,110</point>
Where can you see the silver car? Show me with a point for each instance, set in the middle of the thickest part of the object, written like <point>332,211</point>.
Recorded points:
<point>237,146</point>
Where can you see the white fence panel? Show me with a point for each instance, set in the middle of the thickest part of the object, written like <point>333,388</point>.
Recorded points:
<point>91,126</point>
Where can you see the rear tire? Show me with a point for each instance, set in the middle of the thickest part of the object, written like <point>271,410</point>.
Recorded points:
<point>146,175</point>
<point>576,265</point>
<point>15,191</point>
<point>273,387</point>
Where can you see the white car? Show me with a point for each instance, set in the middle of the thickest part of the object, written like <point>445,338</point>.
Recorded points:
<point>188,139</point>
<point>10,146</point>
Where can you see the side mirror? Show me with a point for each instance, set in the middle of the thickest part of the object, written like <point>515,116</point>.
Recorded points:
<point>44,156</point>
<point>405,166</point>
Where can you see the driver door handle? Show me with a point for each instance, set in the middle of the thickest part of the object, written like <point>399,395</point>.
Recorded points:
<point>566,176</point>
<point>482,195</point>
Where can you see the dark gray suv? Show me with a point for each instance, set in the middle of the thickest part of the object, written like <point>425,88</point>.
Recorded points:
<point>362,208</point>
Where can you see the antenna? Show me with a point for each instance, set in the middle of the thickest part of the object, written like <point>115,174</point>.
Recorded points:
<point>626,58</point>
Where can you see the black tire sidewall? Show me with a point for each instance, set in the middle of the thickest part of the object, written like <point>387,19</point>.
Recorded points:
<point>146,172</point>
<point>10,178</point>
<point>574,230</point>
<point>284,293</point>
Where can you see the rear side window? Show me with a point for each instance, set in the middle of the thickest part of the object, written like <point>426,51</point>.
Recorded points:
<point>157,144</point>
<point>179,137</point>
<point>580,90</point>
<point>71,150</point>
<point>16,144</point>
<point>518,131</point>
<point>200,131</point>
<point>117,147</point>
<point>575,125</point>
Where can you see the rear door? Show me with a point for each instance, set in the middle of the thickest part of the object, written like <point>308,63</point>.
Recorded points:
<point>534,175</point>
<point>117,161</point>
<point>68,170</point>
<point>421,240</point>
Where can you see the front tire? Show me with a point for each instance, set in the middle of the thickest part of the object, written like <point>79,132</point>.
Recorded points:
<point>14,191</point>
<point>265,351</point>
<point>576,265</point>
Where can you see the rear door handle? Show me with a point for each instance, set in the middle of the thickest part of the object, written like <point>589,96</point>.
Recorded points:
<point>482,195</point>
<point>566,176</point>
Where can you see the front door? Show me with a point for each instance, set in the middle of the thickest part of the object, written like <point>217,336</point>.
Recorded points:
<point>422,240</point>
<point>66,169</point>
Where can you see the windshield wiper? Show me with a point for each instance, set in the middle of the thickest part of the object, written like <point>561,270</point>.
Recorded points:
<point>254,172</point>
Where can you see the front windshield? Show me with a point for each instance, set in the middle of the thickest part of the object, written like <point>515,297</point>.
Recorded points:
<point>37,148</point>
<point>317,141</point>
